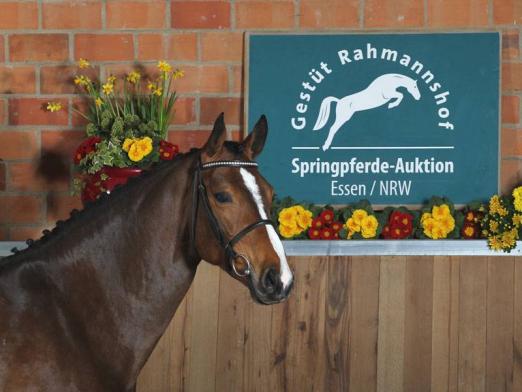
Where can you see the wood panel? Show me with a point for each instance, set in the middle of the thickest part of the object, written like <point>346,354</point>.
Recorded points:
<point>351,324</point>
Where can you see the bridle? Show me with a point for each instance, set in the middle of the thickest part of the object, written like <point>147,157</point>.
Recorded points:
<point>200,192</point>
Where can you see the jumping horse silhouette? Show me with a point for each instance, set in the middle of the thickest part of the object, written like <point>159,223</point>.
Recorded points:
<point>82,308</point>
<point>381,91</point>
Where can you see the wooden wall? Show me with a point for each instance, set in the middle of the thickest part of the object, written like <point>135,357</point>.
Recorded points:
<point>351,324</point>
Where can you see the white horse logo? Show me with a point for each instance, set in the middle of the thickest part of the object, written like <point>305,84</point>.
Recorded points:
<point>380,91</point>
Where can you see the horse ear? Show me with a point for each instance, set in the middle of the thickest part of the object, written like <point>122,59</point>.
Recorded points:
<point>217,137</point>
<point>254,143</point>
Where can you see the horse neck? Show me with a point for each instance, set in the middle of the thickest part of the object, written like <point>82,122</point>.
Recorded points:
<point>130,271</point>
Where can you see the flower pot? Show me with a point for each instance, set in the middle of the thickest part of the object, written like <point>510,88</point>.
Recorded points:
<point>106,180</point>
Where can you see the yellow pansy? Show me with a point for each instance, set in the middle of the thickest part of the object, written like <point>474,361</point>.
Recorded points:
<point>127,144</point>
<point>82,63</point>
<point>369,226</point>
<point>133,77</point>
<point>54,106</point>
<point>359,215</point>
<point>286,231</point>
<point>165,67</point>
<point>135,154</point>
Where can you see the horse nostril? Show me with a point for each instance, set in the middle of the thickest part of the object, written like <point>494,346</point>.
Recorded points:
<point>270,280</point>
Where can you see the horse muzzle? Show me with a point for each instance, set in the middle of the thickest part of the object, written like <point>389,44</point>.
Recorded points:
<point>269,289</point>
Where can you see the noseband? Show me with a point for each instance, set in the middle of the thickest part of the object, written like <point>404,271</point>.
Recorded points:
<point>200,193</point>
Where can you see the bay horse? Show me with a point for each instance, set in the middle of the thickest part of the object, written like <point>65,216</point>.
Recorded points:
<point>82,308</point>
<point>379,92</point>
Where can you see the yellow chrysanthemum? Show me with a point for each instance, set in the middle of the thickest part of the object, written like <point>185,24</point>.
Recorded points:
<point>144,145</point>
<point>134,77</point>
<point>164,67</point>
<point>108,88</point>
<point>127,143</point>
<point>82,80</point>
<point>82,63</point>
<point>369,226</point>
<point>496,207</point>
<point>509,238</point>
<point>439,212</point>
<point>495,242</point>
<point>54,106</point>
<point>286,231</point>
<point>493,226</point>
<point>517,195</point>
<point>517,220</point>
<point>135,154</point>
<point>352,225</point>
<point>304,219</point>
<point>359,215</point>
<point>288,217</point>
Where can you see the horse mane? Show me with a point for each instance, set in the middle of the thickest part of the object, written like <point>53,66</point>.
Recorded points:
<point>90,210</point>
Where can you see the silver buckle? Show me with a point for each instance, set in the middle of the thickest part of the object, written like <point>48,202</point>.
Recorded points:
<point>247,270</point>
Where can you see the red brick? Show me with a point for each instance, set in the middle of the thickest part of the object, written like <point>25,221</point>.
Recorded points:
<point>176,47</point>
<point>220,46</point>
<point>318,14</point>
<point>81,105</point>
<point>18,145</point>
<point>104,47</point>
<point>203,79</point>
<point>184,111</point>
<point>510,44</point>
<point>211,107</point>
<point>60,79</point>
<point>72,15</point>
<point>511,142</point>
<point>38,47</point>
<point>22,233</point>
<point>18,15</point>
<point>32,111</point>
<point>20,209</point>
<point>511,76</point>
<point>200,14</point>
<point>59,206</point>
<point>510,109</point>
<point>188,139</point>
<point>135,14</point>
<point>62,143</point>
<point>462,13</point>
<point>2,49</point>
<point>511,174</point>
<point>237,79</point>
<point>507,12</point>
<point>15,80</point>
<point>3,180</point>
<point>3,105</point>
<point>265,14</point>
<point>393,13</point>
<point>3,234</point>
<point>25,176</point>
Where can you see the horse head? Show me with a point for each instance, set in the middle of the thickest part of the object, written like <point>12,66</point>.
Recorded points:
<point>232,227</point>
<point>413,89</point>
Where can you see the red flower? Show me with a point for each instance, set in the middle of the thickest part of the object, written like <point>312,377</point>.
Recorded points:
<point>87,146</point>
<point>317,223</point>
<point>399,226</point>
<point>167,150</point>
<point>314,234</point>
<point>386,232</point>
<point>327,234</point>
<point>336,226</point>
<point>469,230</point>
<point>327,216</point>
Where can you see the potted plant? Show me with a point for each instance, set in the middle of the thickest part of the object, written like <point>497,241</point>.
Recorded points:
<point>126,130</point>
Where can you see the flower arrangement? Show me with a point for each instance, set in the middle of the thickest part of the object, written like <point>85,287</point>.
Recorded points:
<point>325,226</point>
<point>502,223</point>
<point>127,128</point>
<point>397,223</point>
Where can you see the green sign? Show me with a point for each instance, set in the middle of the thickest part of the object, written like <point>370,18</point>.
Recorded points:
<point>392,118</point>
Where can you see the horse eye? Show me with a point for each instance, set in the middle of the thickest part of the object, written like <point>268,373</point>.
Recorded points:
<point>223,197</point>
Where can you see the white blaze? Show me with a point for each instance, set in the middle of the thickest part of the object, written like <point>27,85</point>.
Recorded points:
<point>251,184</point>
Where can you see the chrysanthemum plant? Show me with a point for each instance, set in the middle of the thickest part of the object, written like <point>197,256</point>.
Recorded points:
<point>502,225</point>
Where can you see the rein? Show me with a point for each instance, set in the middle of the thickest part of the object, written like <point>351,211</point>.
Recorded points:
<point>200,193</point>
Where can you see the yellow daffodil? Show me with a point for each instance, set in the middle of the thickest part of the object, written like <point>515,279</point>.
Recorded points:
<point>82,80</point>
<point>127,144</point>
<point>98,101</point>
<point>164,67</point>
<point>54,106</point>
<point>135,154</point>
<point>158,92</point>
<point>358,215</point>
<point>134,77</point>
<point>111,79</point>
<point>108,88</point>
<point>151,86</point>
<point>82,63</point>
<point>178,74</point>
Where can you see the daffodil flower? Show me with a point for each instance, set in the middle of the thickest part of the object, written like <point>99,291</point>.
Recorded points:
<point>54,106</point>
<point>82,63</point>
<point>98,101</point>
<point>164,67</point>
<point>133,77</point>
<point>108,88</point>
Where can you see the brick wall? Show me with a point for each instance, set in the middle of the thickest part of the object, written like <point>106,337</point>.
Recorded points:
<point>41,40</point>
